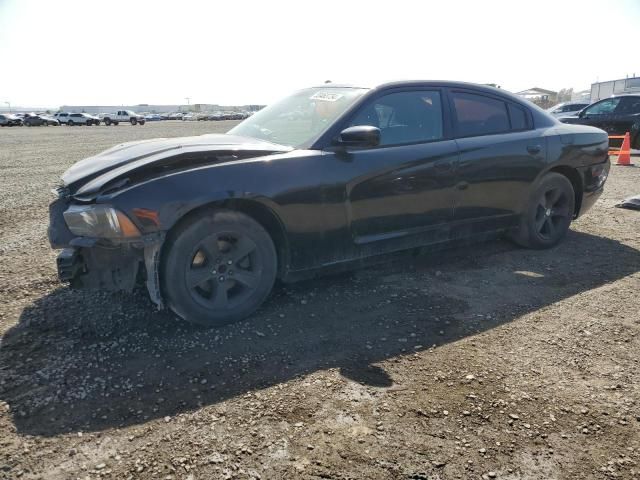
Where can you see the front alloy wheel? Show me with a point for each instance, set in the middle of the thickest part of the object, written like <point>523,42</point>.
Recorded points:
<point>218,268</point>
<point>224,270</point>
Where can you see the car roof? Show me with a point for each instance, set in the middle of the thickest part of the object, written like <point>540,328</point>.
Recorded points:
<point>428,83</point>
<point>410,83</point>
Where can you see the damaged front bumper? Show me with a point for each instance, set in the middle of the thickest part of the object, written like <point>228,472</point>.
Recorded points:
<point>105,264</point>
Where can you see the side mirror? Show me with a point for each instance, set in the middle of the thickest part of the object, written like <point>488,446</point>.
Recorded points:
<point>581,113</point>
<point>360,136</point>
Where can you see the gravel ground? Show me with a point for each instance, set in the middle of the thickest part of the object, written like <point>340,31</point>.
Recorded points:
<point>487,362</point>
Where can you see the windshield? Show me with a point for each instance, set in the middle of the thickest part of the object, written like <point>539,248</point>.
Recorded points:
<point>299,118</point>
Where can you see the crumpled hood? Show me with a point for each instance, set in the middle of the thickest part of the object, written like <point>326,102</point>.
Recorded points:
<point>93,172</point>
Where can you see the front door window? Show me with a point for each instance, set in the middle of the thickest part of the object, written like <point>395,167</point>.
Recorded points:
<point>404,117</point>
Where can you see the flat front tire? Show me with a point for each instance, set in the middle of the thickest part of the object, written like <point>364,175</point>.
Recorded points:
<point>548,214</point>
<point>218,268</point>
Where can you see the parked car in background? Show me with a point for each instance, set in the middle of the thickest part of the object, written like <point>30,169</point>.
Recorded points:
<point>32,120</point>
<point>153,117</point>
<point>615,115</point>
<point>82,119</point>
<point>10,120</point>
<point>123,116</point>
<point>62,117</point>
<point>189,117</point>
<point>173,116</point>
<point>566,108</point>
<point>370,171</point>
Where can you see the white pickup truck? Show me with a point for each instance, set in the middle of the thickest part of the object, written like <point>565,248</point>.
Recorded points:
<point>123,116</point>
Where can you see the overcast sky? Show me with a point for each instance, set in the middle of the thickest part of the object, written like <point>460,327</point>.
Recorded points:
<point>239,52</point>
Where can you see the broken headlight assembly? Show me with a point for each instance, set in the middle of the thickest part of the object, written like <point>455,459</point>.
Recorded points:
<point>99,221</point>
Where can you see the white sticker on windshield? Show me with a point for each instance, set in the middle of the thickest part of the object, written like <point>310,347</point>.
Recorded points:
<point>326,96</point>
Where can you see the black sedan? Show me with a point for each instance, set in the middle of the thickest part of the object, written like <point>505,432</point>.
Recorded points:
<point>39,120</point>
<point>615,115</point>
<point>328,178</point>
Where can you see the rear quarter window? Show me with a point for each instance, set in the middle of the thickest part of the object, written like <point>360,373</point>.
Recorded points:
<point>518,116</point>
<point>479,115</point>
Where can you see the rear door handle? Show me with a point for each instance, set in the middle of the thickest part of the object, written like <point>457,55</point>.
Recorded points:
<point>533,149</point>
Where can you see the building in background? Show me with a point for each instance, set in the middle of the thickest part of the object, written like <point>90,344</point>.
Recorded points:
<point>140,108</point>
<point>148,108</point>
<point>600,90</point>
<point>583,96</point>
<point>540,96</point>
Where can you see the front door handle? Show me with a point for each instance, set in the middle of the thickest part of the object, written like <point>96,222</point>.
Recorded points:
<point>533,149</point>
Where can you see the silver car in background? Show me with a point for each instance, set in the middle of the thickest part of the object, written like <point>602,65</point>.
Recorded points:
<point>566,108</point>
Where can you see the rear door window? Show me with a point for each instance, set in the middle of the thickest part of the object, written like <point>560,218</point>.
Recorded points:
<point>479,115</point>
<point>518,116</point>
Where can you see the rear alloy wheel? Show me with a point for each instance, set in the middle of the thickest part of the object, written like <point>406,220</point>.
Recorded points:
<point>70,123</point>
<point>218,268</point>
<point>133,121</point>
<point>549,213</point>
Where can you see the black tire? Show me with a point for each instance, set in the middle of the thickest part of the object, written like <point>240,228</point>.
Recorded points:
<point>115,123</point>
<point>70,123</point>
<point>204,260</point>
<point>142,122</point>
<point>107,121</point>
<point>133,121</point>
<point>548,214</point>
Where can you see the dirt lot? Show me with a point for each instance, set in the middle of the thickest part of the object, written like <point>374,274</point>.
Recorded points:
<point>490,362</point>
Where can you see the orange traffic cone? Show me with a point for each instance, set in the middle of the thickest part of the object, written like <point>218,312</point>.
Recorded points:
<point>624,158</point>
